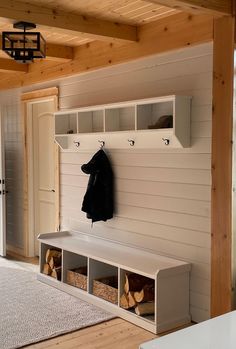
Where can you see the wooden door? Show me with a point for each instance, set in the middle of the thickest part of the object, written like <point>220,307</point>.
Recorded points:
<point>2,194</point>
<point>45,169</point>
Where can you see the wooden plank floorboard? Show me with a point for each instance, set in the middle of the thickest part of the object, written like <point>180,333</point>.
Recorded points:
<point>115,334</point>
<point>80,333</point>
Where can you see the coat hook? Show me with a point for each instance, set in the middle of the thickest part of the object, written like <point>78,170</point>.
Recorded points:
<point>131,142</point>
<point>102,144</point>
<point>166,141</point>
<point>77,144</point>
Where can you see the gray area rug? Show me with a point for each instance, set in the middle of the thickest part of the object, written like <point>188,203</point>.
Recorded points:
<point>31,311</point>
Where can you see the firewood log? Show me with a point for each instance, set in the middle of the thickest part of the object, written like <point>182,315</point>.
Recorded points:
<point>47,269</point>
<point>131,300</point>
<point>55,261</point>
<point>145,295</point>
<point>145,308</point>
<point>56,273</point>
<point>52,253</point>
<point>124,302</point>
<point>135,282</point>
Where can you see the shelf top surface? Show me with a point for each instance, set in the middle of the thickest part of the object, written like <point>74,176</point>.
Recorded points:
<point>170,98</point>
<point>114,253</point>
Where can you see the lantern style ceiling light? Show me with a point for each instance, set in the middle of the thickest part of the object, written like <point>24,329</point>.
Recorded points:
<point>24,46</point>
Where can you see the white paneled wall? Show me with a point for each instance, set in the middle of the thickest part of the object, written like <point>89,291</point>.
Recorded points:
<point>163,197</point>
<point>14,167</point>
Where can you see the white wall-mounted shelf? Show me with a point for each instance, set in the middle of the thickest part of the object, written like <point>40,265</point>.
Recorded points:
<point>103,257</point>
<point>117,124</point>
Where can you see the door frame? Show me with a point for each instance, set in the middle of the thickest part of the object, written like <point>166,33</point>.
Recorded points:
<point>27,100</point>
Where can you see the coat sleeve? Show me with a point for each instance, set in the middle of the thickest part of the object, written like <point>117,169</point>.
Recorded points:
<point>92,166</point>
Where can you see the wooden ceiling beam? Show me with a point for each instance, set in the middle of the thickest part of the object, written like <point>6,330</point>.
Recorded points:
<point>59,53</point>
<point>213,7</point>
<point>65,22</point>
<point>9,65</point>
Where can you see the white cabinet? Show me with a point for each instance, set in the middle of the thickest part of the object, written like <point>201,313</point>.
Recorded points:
<point>104,258</point>
<point>148,123</point>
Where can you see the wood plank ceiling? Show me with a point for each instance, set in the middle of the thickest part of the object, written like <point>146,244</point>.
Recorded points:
<point>132,12</point>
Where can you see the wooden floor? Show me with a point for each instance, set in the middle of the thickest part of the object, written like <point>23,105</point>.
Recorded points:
<point>113,334</point>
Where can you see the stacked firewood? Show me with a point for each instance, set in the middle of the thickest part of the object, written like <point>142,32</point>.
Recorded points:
<point>139,293</point>
<point>52,267</point>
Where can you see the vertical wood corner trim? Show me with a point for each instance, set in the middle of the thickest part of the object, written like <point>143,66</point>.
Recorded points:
<point>222,133</point>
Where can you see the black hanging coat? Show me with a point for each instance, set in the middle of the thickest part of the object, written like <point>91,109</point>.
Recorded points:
<point>98,200</point>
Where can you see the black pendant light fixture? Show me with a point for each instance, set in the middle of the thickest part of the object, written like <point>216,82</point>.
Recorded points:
<point>24,46</point>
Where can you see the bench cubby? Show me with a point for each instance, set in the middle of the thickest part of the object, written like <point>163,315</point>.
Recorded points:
<point>132,284</point>
<point>107,264</point>
<point>103,280</point>
<point>75,270</point>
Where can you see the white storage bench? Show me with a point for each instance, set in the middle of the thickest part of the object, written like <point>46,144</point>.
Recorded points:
<point>102,259</point>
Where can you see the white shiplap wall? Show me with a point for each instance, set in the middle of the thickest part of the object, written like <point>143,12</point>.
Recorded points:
<point>10,109</point>
<point>162,196</point>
